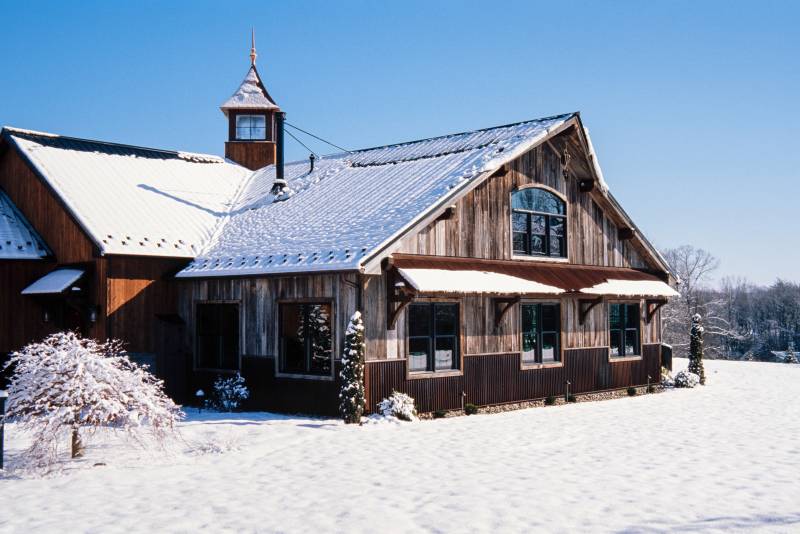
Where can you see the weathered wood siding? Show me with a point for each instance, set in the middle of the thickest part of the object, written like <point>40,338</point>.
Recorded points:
<point>259,300</point>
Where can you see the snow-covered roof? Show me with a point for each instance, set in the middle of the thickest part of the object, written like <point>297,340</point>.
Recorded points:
<point>632,288</point>
<point>18,239</point>
<point>251,94</point>
<point>471,281</point>
<point>134,200</point>
<point>354,203</point>
<point>54,282</point>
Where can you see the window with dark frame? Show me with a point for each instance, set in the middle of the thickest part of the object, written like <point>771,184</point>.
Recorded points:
<point>306,342</point>
<point>217,336</point>
<point>541,332</point>
<point>251,127</point>
<point>433,337</point>
<point>539,223</point>
<point>624,324</point>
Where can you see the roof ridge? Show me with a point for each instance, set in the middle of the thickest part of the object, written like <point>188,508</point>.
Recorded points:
<point>445,136</point>
<point>177,153</point>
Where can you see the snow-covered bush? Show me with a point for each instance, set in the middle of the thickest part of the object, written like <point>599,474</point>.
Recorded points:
<point>790,358</point>
<point>696,348</point>
<point>351,393</point>
<point>398,405</point>
<point>229,393</point>
<point>686,379</point>
<point>66,383</point>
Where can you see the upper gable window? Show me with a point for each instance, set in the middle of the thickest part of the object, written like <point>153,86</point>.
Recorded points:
<point>251,127</point>
<point>539,223</point>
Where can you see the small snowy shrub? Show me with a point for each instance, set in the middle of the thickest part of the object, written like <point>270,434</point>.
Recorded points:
<point>632,392</point>
<point>686,379</point>
<point>470,409</point>
<point>351,392</point>
<point>571,398</point>
<point>439,414</point>
<point>398,405</point>
<point>66,383</point>
<point>549,400</point>
<point>229,393</point>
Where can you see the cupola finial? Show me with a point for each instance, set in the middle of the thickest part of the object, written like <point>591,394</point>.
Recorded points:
<point>253,54</point>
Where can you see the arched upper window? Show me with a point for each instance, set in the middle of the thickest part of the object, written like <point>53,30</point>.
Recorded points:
<point>539,223</point>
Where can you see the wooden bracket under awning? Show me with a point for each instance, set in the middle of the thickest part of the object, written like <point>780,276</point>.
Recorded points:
<point>502,305</point>
<point>585,306</point>
<point>652,306</point>
<point>397,297</point>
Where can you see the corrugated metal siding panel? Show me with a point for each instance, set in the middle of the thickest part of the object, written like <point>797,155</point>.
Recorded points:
<point>498,379</point>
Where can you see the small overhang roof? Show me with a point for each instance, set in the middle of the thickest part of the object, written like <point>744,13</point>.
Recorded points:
<point>432,274</point>
<point>54,282</point>
<point>470,281</point>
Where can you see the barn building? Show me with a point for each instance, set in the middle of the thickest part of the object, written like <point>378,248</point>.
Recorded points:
<point>492,266</point>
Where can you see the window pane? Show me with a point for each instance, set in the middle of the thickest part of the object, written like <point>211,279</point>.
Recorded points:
<point>631,342</point>
<point>446,353</point>
<point>557,237</point>
<point>550,347</point>
<point>615,316</point>
<point>522,200</point>
<point>243,121</point>
<point>418,353</point>
<point>537,244</point>
<point>258,121</point>
<point>528,327</point>
<point>519,243</point>
<point>318,332</point>
<point>419,320</point>
<point>258,133</point>
<point>519,222</point>
<point>292,339</point>
<point>632,316</point>
<point>538,224</point>
<point>217,336</point>
<point>550,318</point>
<point>547,202</point>
<point>446,318</point>
<point>615,343</point>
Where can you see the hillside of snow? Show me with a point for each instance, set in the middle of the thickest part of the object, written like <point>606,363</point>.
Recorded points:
<point>725,457</point>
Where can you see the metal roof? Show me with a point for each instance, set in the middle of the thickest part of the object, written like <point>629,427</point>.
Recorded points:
<point>18,239</point>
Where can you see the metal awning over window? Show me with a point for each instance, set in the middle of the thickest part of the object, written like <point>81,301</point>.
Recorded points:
<point>430,274</point>
<point>54,283</point>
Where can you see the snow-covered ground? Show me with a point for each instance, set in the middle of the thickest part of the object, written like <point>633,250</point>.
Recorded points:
<point>725,457</point>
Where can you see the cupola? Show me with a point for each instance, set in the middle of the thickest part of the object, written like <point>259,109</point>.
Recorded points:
<point>254,121</point>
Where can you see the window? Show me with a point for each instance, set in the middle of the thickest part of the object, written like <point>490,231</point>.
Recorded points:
<point>433,337</point>
<point>539,223</point>
<point>624,323</point>
<point>306,340</point>
<point>541,332</point>
<point>251,127</point>
<point>217,336</point>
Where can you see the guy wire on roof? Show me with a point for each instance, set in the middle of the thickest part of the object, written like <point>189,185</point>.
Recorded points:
<point>316,137</point>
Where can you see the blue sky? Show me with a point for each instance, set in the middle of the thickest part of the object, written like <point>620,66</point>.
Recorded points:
<point>693,106</point>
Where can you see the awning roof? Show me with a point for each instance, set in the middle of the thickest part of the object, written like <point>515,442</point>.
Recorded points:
<point>434,274</point>
<point>54,283</point>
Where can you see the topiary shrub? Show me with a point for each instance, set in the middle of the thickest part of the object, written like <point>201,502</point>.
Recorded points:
<point>686,379</point>
<point>439,414</point>
<point>549,400</point>
<point>632,392</point>
<point>571,398</point>
<point>470,409</point>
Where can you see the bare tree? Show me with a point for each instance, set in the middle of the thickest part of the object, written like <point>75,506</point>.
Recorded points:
<point>695,268</point>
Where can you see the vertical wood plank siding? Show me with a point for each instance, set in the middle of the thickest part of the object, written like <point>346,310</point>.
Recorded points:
<point>498,379</point>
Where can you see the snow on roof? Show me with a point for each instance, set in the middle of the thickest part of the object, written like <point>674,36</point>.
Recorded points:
<point>359,201</point>
<point>134,200</point>
<point>54,282</point>
<point>250,94</point>
<point>470,281</point>
<point>18,239</point>
<point>632,288</point>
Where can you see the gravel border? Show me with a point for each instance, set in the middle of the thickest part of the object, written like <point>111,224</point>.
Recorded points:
<point>539,403</point>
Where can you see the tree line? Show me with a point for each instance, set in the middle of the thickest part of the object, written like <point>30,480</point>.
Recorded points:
<point>742,320</point>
